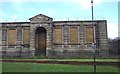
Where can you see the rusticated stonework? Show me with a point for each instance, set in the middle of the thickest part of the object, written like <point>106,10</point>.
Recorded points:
<point>43,36</point>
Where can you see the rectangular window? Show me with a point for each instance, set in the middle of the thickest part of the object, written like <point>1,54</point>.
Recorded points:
<point>12,36</point>
<point>89,34</point>
<point>26,35</point>
<point>57,35</point>
<point>73,35</point>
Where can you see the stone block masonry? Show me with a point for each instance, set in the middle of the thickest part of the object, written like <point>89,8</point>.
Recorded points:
<point>43,36</point>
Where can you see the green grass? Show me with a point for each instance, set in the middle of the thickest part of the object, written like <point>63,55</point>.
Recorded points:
<point>79,60</point>
<point>35,67</point>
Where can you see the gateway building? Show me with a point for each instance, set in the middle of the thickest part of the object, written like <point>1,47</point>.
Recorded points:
<point>43,36</point>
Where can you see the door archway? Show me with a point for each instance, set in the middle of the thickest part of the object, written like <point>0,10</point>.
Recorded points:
<point>40,41</point>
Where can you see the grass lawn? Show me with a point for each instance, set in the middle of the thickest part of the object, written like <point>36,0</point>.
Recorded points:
<point>79,60</point>
<point>36,67</point>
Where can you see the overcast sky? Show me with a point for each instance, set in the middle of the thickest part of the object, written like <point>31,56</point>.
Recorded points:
<point>22,10</point>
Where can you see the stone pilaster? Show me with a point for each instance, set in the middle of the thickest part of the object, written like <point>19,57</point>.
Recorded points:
<point>103,39</point>
<point>49,39</point>
<point>32,39</point>
<point>65,34</point>
<point>81,36</point>
<point>66,37</point>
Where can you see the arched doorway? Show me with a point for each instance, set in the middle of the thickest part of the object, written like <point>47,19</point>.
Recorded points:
<point>40,41</point>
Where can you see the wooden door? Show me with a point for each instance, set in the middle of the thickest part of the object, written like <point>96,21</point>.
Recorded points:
<point>40,42</point>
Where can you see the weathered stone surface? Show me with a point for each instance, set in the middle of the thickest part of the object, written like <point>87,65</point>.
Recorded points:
<point>65,48</point>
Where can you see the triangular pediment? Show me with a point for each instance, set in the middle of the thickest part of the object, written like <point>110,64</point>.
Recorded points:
<point>41,17</point>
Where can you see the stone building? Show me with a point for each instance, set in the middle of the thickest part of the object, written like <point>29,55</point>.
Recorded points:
<point>43,36</point>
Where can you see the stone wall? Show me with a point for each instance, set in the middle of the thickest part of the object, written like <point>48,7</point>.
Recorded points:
<point>103,38</point>
<point>18,49</point>
<point>80,47</point>
<point>0,46</point>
